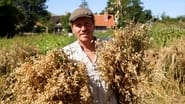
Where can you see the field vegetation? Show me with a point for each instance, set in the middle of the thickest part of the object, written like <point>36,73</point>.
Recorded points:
<point>144,64</point>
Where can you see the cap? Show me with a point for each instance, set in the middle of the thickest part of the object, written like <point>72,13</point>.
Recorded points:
<point>81,12</point>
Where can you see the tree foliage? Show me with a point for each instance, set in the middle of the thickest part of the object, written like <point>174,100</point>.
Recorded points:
<point>33,10</point>
<point>65,22</point>
<point>21,15</point>
<point>84,4</point>
<point>10,16</point>
<point>127,10</point>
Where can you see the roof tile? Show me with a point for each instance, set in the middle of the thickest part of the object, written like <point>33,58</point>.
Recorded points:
<point>104,20</point>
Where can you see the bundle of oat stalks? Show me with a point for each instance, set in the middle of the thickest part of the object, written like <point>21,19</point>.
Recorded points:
<point>165,82</point>
<point>12,58</point>
<point>143,75</point>
<point>50,79</point>
<point>121,61</point>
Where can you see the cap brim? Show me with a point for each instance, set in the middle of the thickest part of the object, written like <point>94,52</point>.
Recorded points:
<point>80,16</point>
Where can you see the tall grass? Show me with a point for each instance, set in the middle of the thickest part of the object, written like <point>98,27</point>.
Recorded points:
<point>165,81</point>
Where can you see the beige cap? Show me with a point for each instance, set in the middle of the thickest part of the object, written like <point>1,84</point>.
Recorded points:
<point>81,12</point>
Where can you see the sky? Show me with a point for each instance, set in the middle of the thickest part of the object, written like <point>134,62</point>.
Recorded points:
<point>172,8</point>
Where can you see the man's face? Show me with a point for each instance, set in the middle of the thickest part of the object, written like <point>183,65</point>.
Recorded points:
<point>83,29</point>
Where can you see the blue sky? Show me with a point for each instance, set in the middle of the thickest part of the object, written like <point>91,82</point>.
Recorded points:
<point>172,8</point>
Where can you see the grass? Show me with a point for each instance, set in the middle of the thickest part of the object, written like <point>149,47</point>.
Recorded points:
<point>43,42</point>
<point>162,33</point>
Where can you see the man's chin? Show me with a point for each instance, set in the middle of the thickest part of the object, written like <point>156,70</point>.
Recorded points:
<point>84,39</point>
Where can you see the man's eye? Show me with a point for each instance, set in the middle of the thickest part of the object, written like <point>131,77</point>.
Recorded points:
<point>78,25</point>
<point>87,24</point>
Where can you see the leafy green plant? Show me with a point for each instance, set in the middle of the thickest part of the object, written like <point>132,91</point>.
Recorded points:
<point>162,34</point>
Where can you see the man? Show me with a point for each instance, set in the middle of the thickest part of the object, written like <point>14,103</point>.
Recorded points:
<point>83,24</point>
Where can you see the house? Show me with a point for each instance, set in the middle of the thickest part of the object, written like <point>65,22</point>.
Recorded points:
<point>104,22</point>
<point>57,24</point>
<point>55,18</point>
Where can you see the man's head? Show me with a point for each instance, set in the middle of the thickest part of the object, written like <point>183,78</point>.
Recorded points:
<point>82,24</point>
<point>81,12</point>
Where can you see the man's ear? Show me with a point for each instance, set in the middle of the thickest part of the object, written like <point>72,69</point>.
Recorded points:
<point>71,26</point>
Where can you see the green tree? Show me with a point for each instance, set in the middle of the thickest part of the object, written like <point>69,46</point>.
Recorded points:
<point>128,10</point>
<point>181,18</point>
<point>10,16</point>
<point>84,4</point>
<point>33,10</point>
<point>65,22</point>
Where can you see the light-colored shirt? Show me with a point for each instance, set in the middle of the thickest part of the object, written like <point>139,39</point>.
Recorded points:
<point>98,87</point>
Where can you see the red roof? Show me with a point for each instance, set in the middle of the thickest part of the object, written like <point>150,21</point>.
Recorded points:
<point>104,20</point>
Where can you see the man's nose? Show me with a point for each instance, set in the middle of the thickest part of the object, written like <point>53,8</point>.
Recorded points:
<point>83,27</point>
